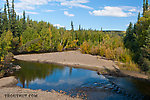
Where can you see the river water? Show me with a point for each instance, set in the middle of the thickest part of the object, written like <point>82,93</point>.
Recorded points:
<point>85,83</point>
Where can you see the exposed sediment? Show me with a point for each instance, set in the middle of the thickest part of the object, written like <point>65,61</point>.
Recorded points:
<point>70,58</point>
<point>9,91</point>
<point>79,60</point>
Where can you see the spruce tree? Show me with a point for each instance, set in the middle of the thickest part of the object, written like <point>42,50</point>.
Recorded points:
<point>79,27</point>
<point>129,29</point>
<point>72,28</point>
<point>9,15</point>
<point>146,5</point>
<point>139,16</point>
<point>24,21</point>
<point>5,20</point>
<point>13,19</point>
<point>0,22</point>
<point>101,29</point>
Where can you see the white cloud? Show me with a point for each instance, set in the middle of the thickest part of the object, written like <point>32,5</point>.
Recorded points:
<point>28,12</point>
<point>24,6</point>
<point>129,8</point>
<point>67,14</point>
<point>20,13</point>
<point>132,10</point>
<point>76,3</point>
<point>30,4</point>
<point>112,11</point>
<point>58,25</point>
<point>49,10</point>
<point>34,2</point>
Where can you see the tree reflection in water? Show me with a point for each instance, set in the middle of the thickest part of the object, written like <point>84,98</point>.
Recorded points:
<point>31,71</point>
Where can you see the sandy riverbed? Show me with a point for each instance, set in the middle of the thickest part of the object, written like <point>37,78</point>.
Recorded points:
<point>79,60</point>
<point>70,58</point>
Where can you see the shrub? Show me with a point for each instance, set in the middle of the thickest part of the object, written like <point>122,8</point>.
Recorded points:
<point>95,50</point>
<point>72,44</point>
<point>102,50</point>
<point>110,54</point>
<point>131,66</point>
<point>85,47</point>
<point>2,72</point>
<point>59,47</point>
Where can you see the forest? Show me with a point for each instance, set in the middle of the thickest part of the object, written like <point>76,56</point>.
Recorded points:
<point>23,35</point>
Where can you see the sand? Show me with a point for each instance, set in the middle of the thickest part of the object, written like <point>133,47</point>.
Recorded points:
<point>70,58</point>
<point>9,91</point>
<point>78,60</point>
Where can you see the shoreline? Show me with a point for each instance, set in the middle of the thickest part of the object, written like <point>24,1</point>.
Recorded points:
<point>78,60</point>
<point>70,58</point>
<point>8,84</point>
<point>9,90</point>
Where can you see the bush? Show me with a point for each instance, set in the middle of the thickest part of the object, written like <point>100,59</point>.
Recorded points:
<point>144,63</point>
<point>59,47</point>
<point>72,44</point>
<point>2,72</point>
<point>102,50</point>
<point>85,47</point>
<point>131,66</point>
<point>110,54</point>
<point>95,50</point>
<point>8,57</point>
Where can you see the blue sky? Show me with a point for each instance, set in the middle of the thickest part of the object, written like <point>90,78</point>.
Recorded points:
<point>108,14</point>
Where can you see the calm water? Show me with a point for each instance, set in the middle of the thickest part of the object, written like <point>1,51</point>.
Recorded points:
<point>88,84</point>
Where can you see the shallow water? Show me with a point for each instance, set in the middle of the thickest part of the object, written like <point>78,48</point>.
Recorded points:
<point>86,83</point>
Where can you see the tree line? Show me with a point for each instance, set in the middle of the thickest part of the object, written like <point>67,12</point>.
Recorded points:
<point>23,35</point>
<point>137,38</point>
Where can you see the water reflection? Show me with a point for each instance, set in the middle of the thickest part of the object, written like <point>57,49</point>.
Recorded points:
<point>33,71</point>
<point>73,81</point>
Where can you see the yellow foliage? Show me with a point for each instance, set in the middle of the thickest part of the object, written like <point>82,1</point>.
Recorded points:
<point>95,50</point>
<point>85,47</point>
<point>102,50</point>
<point>59,47</point>
<point>110,54</point>
<point>72,44</point>
<point>131,66</point>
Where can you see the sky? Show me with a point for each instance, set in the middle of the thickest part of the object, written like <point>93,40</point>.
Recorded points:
<point>90,14</point>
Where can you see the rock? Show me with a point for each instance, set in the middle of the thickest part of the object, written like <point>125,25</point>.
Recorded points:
<point>17,67</point>
<point>8,81</point>
<point>11,72</point>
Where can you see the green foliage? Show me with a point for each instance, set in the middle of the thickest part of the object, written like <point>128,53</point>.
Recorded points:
<point>60,47</point>
<point>146,7</point>
<point>138,41</point>
<point>5,44</point>
<point>72,27</point>
<point>2,72</point>
<point>85,48</point>
<point>29,34</point>
<point>23,35</point>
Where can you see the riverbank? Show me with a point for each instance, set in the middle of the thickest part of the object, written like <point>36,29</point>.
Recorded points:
<point>70,58</point>
<point>9,90</point>
<point>78,60</point>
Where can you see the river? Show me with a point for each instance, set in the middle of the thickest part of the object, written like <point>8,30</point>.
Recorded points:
<point>85,83</point>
